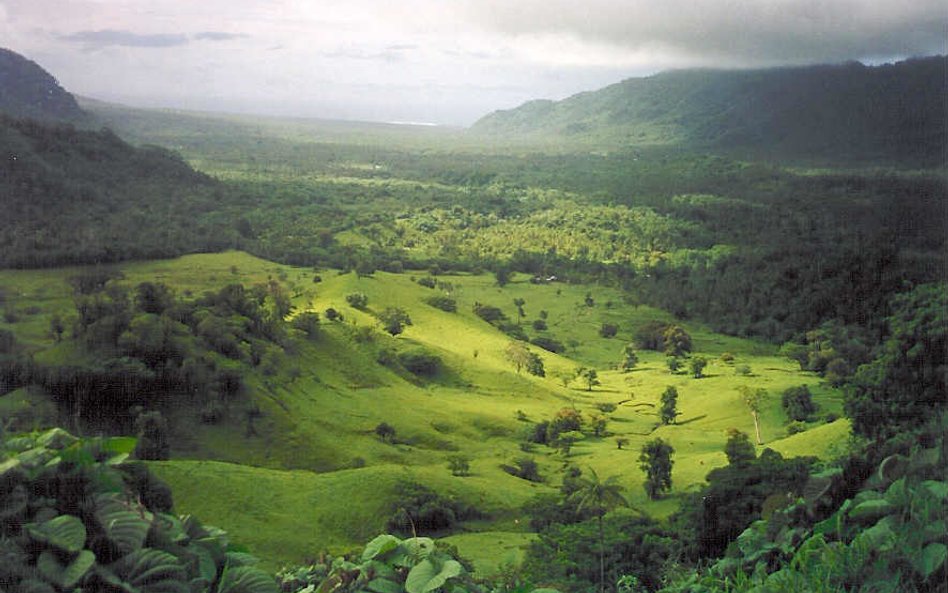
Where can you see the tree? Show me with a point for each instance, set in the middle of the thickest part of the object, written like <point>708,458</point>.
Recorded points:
<point>669,410</point>
<point>676,341</point>
<point>519,303</point>
<point>621,442</point>
<point>591,378</point>
<point>674,363</point>
<point>798,403</point>
<point>608,330</point>
<point>697,365</point>
<point>307,322</point>
<point>57,327</point>
<point>565,441</point>
<point>629,357</point>
<point>535,364</point>
<point>357,300</point>
<point>753,399</point>
<point>600,496</point>
<point>597,423</point>
<point>152,442</point>
<point>655,460</point>
<point>517,354</point>
<point>385,432</point>
<point>738,447</point>
<point>907,383</point>
<point>394,320</point>
<point>459,465</point>
<point>502,275</point>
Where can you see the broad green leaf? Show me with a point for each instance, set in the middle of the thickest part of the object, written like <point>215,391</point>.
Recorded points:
<point>62,575</point>
<point>55,438</point>
<point>172,527</point>
<point>384,586</point>
<point>151,571</point>
<point>246,579</point>
<point>241,559</point>
<point>380,546</point>
<point>938,489</point>
<point>871,511</point>
<point>125,525</point>
<point>931,559</point>
<point>64,532</point>
<point>430,574</point>
<point>207,567</point>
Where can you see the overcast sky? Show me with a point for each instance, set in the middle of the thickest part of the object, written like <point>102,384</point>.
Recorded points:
<point>441,61</point>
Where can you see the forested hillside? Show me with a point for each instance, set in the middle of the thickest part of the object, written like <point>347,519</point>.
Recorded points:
<point>26,90</point>
<point>77,196</point>
<point>846,113</point>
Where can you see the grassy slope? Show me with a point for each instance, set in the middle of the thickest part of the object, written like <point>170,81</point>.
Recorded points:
<point>324,401</point>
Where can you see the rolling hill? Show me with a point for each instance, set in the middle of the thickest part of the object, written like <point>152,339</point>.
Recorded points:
<point>847,112</point>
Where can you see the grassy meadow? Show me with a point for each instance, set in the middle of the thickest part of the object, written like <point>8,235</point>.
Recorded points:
<point>314,476</point>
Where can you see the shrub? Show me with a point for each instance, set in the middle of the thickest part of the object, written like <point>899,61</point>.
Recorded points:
<point>514,331</point>
<point>606,407</point>
<point>385,432</point>
<point>420,363</point>
<point>459,465</point>
<point>796,427</point>
<point>307,322</point>
<point>525,469</point>
<point>428,282</point>
<point>743,369</point>
<point>422,510</point>
<point>442,302</point>
<point>608,330</point>
<point>488,313</point>
<point>357,300</point>
<point>650,335</point>
<point>548,344</point>
<point>394,320</point>
<point>539,325</point>
<point>697,365</point>
<point>798,403</point>
<point>333,315</point>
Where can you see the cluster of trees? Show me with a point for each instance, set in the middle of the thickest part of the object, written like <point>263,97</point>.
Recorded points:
<point>148,348</point>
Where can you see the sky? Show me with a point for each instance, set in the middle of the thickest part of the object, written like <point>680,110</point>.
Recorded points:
<point>434,61</point>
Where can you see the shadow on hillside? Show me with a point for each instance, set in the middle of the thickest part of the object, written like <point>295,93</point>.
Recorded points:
<point>690,420</point>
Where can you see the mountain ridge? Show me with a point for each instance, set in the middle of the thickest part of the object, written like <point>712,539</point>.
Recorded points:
<point>28,90</point>
<point>875,113</point>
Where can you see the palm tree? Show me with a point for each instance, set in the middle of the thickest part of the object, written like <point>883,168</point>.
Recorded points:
<point>600,496</point>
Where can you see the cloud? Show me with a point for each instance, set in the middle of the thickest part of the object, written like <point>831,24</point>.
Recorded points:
<point>729,32</point>
<point>218,36</point>
<point>111,37</point>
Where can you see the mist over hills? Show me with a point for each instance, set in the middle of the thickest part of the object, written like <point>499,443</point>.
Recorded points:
<point>895,112</point>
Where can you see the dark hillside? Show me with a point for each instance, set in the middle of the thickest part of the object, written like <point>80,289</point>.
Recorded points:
<point>71,196</point>
<point>847,113</point>
<point>26,90</point>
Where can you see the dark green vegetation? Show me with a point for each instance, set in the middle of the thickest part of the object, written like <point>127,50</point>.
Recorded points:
<point>79,515</point>
<point>26,90</point>
<point>537,352</point>
<point>817,114</point>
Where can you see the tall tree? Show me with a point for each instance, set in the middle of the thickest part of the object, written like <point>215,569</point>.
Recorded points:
<point>669,410</point>
<point>754,399</point>
<point>519,303</point>
<point>599,496</point>
<point>655,460</point>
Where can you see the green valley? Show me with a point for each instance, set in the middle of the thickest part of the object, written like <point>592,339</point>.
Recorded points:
<point>657,337</point>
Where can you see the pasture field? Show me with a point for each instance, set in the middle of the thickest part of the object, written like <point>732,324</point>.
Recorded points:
<point>314,476</point>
